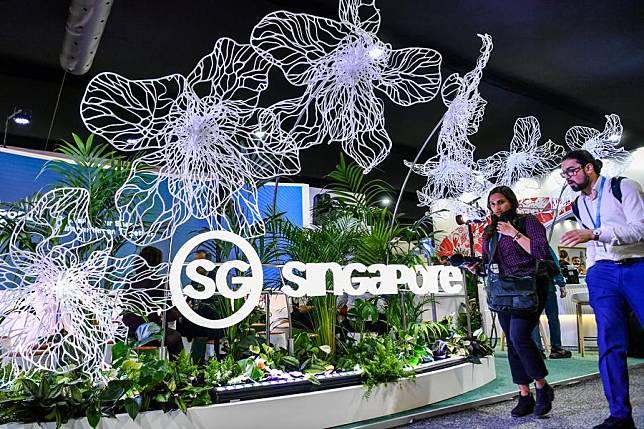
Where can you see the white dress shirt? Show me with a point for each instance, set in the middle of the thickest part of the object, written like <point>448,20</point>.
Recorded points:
<point>622,224</point>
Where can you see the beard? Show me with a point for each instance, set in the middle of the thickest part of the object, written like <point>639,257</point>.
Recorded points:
<point>579,186</point>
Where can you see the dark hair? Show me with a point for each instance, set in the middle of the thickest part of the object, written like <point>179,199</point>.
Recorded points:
<point>152,255</point>
<point>511,215</point>
<point>583,157</point>
<point>205,253</point>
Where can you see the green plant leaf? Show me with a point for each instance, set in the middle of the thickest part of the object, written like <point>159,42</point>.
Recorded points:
<point>312,378</point>
<point>93,415</point>
<point>131,407</point>
<point>31,387</point>
<point>325,348</point>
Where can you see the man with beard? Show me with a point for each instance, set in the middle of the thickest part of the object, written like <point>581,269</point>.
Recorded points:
<point>611,211</point>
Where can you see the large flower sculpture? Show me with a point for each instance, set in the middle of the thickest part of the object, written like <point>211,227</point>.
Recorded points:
<point>62,294</point>
<point>452,172</point>
<point>209,143</point>
<point>343,64</point>
<point>601,144</point>
<point>525,159</point>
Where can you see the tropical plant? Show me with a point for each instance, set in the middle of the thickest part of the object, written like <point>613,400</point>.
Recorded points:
<point>99,169</point>
<point>363,311</point>
<point>88,165</point>
<point>476,319</point>
<point>378,358</point>
<point>45,398</point>
<point>329,242</point>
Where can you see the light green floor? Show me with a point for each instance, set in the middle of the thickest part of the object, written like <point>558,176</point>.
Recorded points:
<point>559,369</point>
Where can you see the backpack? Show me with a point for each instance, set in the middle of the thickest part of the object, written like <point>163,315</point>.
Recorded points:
<point>615,186</point>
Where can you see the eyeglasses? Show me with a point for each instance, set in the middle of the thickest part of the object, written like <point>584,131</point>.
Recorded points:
<point>570,172</point>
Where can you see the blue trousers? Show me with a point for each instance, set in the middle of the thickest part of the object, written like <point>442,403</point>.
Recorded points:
<point>552,313</point>
<point>613,287</point>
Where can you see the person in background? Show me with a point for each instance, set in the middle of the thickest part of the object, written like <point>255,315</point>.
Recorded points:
<point>521,242</point>
<point>563,258</point>
<point>611,211</point>
<point>576,262</point>
<point>210,308</point>
<point>153,257</point>
<point>552,313</point>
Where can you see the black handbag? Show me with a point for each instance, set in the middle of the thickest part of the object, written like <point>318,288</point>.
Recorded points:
<point>511,294</point>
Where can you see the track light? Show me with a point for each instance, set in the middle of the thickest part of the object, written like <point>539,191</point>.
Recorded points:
<point>20,117</point>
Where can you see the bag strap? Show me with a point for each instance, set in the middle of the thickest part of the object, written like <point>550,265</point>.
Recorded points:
<point>615,186</point>
<point>575,211</point>
<point>492,245</point>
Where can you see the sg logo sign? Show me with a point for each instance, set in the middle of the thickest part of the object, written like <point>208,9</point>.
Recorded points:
<point>309,279</point>
<point>250,286</point>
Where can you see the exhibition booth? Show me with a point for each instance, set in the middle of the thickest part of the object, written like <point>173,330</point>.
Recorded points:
<point>174,264</point>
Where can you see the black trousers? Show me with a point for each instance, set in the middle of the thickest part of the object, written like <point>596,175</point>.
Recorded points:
<point>526,362</point>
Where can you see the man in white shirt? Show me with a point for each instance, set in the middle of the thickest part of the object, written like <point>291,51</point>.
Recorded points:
<point>611,210</point>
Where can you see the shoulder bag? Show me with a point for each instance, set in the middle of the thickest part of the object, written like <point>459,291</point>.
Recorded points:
<point>510,294</point>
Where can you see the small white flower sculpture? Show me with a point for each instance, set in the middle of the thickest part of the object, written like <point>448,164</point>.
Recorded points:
<point>209,143</point>
<point>60,300</point>
<point>342,64</point>
<point>526,159</point>
<point>603,145</point>
<point>452,171</point>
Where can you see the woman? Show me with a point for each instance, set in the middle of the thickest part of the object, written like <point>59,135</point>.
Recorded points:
<point>520,240</point>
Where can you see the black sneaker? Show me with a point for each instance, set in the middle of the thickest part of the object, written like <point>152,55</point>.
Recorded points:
<point>560,354</point>
<point>524,407</point>
<point>615,423</point>
<point>543,355</point>
<point>543,404</point>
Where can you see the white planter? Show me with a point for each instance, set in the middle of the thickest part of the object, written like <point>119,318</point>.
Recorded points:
<point>321,409</point>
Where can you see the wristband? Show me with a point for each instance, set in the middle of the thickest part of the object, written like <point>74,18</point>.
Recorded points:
<point>517,235</point>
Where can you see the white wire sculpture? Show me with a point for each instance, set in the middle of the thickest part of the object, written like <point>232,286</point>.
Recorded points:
<point>58,308</point>
<point>452,172</point>
<point>525,159</point>
<point>210,143</point>
<point>342,64</point>
<point>603,145</point>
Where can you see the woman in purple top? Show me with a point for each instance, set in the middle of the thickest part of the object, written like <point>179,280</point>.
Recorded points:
<point>521,239</point>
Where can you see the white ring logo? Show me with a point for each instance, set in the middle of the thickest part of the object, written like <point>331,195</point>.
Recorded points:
<point>250,287</point>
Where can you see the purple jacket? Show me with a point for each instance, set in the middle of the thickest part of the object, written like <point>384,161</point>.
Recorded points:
<point>511,257</point>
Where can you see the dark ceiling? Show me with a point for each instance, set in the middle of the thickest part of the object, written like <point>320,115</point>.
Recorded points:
<point>565,62</point>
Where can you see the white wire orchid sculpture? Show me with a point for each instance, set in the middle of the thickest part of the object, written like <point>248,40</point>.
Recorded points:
<point>343,64</point>
<point>63,291</point>
<point>603,145</point>
<point>209,143</point>
<point>452,172</point>
<point>525,159</point>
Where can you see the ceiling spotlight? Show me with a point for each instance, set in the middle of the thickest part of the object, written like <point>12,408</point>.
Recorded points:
<point>614,137</point>
<point>385,201</point>
<point>260,134</point>
<point>20,117</point>
<point>132,140</point>
<point>375,52</point>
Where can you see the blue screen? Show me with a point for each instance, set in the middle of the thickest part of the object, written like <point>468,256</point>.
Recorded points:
<point>21,176</point>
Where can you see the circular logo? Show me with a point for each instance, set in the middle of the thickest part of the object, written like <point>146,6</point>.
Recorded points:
<point>250,286</point>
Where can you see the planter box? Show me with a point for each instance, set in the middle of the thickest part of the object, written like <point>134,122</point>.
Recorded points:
<point>321,409</point>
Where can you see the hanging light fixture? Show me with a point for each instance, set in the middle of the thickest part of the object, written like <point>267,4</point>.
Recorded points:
<point>20,116</point>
